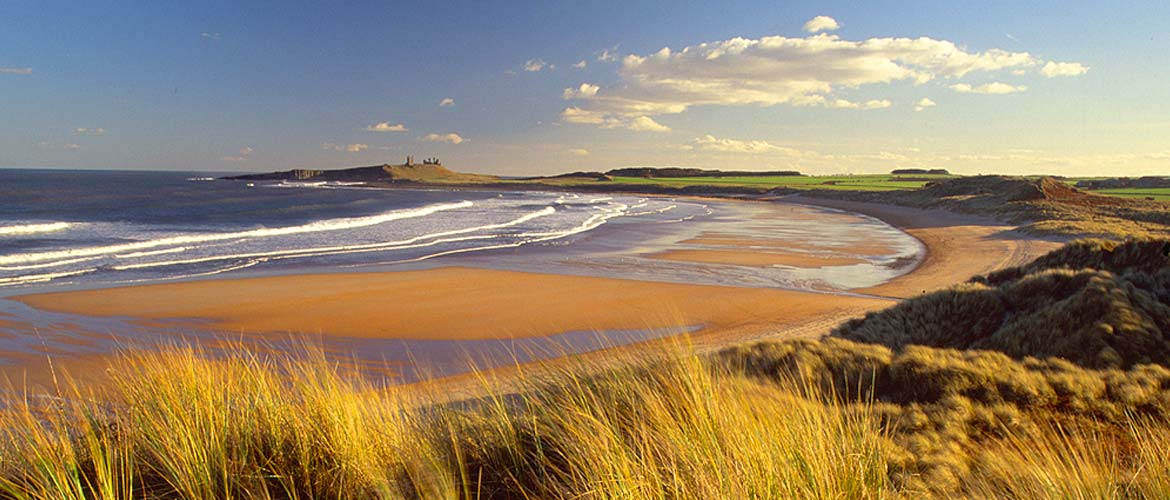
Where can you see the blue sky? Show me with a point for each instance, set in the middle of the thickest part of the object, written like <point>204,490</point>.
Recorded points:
<point>1070,88</point>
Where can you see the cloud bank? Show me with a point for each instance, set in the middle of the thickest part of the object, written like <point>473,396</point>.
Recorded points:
<point>779,70</point>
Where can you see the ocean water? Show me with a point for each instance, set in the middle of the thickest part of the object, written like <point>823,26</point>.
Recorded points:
<point>87,228</point>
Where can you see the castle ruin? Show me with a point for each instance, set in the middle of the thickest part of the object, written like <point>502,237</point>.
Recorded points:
<point>434,160</point>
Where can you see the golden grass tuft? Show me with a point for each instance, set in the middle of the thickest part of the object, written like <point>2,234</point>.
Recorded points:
<point>181,423</point>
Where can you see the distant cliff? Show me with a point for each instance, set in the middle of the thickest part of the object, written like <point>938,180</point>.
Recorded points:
<point>375,174</point>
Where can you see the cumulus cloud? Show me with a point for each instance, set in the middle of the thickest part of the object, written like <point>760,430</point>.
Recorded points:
<point>780,70</point>
<point>924,103</point>
<point>1054,69</point>
<point>89,131</point>
<point>450,138</point>
<point>988,88</point>
<point>535,65</point>
<point>821,23</point>
<point>584,91</point>
<point>447,102</point>
<point>579,152</point>
<point>387,127</point>
<point>246,150</point>
<point>16,71</point>
<point>580,64</point>
<point>608,55</point>
<point>714,144</point>
<point>349,148</point>
<point>243,156</point>
<point>215,36</point>
<point>646,124</point>
<point>603,120</point>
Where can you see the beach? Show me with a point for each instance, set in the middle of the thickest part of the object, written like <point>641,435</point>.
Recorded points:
<point>460,304</point>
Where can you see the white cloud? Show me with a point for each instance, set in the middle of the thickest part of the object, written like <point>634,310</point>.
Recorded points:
<point>246,150</point>
<point>780,70</point>
<point>604,120</point>
<point>579,152</point>
<point>988,88</point>
<point>924,103</point>
<point>608,55</point>
<point>89,131</point>
<point>349,148</point>
<point>387,127</point>
<point>450,138</point>
<point>646,124</point>
<point>234,158</point>
<point>534,65</point>
<point>714,144</point>
<point>447,102</point>
<point>821,23</point>
<point>580,64</point>
<point>1054,69</point>
<point>210,35</point>
<point>72,146</point>
<point>584,91</point>
<point>16,71</point>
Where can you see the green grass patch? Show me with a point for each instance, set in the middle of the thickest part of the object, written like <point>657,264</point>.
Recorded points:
<point>1160,194</point>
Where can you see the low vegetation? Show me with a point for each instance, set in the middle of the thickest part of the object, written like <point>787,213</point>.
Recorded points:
<point>1101,304</point>
<point>828,182</point>
<point>1040,205</point>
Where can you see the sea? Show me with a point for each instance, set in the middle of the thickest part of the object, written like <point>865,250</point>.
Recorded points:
<point>82,229</point>
<point>89,228</point>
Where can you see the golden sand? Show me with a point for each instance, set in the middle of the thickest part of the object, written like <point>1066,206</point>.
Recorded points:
<point>446,303</point>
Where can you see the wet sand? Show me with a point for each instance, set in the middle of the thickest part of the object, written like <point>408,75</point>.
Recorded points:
<point>757,258</point>
<point>736,241</point>
<point>958,246</point>
<point>445,303</point>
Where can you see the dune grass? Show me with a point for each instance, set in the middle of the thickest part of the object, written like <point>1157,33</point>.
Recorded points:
<point>809,419</point>
<point>182,424</point>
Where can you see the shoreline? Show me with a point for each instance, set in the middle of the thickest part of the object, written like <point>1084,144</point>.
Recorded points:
<point>725,315</point>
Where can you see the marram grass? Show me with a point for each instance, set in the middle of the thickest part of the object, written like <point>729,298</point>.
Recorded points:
<point>181,423</point>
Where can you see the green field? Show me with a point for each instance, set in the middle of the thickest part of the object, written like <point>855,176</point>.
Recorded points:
<point>1161,194</point>
<point>883,182</point>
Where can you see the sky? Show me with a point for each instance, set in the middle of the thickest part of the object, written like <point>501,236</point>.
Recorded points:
<point>527,88</point>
